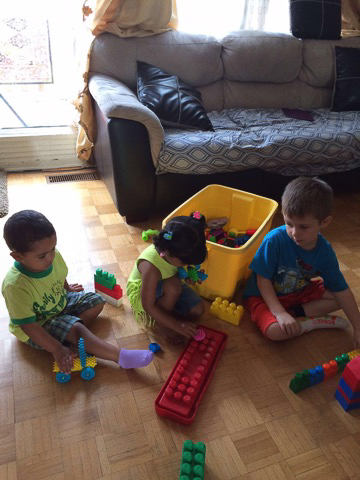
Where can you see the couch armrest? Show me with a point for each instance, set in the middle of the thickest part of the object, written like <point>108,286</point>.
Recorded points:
<point>116,100</point>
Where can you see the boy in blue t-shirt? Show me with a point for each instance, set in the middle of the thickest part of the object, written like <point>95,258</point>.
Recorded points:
<point>295,272</point>
<point>45,311</point>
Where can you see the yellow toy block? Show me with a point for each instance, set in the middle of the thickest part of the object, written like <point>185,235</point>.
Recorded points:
<point>354,353</point>
<point>90,362</point>
<point>229,312</point>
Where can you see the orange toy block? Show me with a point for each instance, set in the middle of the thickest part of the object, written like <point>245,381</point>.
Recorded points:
<point>229,312</point>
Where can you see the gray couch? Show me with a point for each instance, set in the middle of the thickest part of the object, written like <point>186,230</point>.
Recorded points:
<point>248,76</point>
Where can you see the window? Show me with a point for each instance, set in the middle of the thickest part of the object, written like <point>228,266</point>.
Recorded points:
<point>217,18</point>
<point>38,72</point>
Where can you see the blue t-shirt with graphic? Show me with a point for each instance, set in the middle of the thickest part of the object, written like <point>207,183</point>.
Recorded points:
<point>291,268</point>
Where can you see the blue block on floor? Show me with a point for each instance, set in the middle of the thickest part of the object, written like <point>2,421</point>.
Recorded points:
<point>347,390</point>
<point>346,405</point>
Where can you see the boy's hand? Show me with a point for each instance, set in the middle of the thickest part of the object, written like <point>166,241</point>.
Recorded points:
<point>357,339</point>
<point>287,323</point>
<point>64,358</point>
<point>75,287</point>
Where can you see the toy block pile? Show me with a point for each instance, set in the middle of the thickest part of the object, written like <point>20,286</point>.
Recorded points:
<point>192,461</point>
<point>233,237</point>
<point>194,273</point>
<point>308,378</point>
<point>229,312</point>
<point>348,390</point>
<point>106,286</point>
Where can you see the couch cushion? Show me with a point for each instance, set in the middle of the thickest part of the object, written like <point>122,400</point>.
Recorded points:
<point>174,102</point>
<point>193,58</point>
<point>318,60</point>
<point>254,56</point>
<point>347,82</point>
<point>265,139</point>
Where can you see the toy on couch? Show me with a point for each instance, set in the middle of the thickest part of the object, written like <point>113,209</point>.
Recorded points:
<point>106,286</point>
<point>83,363</point>
<point>182,392</point>
<point>229,312</point>
<point>348,390</point>
<point>192,461</point>
<point>313,376</point>
<point>194,274</point>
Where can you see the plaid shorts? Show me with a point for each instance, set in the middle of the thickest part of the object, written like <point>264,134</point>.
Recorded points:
<point>59,326</point>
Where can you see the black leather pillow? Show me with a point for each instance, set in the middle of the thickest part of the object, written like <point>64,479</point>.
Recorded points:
<point>318,19</point>
<point>175,103</point>
<point>347,79</point>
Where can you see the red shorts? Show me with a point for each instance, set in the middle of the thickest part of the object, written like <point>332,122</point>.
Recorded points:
<point>263,318</point>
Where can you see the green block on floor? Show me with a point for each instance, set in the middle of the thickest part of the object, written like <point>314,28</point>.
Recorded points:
<point>105,278</point>
<point>192,461</point>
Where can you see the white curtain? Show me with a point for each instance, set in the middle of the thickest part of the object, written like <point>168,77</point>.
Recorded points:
<point>217,18</point>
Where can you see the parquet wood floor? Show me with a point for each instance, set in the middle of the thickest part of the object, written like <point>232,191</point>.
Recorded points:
<point>254,427</point>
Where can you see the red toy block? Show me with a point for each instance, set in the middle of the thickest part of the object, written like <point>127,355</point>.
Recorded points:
<point>181,394</point>
<point>351,374</point>
<point>116,292</point>
<point>330,369</point>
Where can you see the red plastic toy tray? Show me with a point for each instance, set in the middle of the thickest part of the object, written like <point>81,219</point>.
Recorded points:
<point>181,394</point>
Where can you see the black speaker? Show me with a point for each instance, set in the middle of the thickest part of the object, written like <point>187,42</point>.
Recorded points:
<point>317,19</point>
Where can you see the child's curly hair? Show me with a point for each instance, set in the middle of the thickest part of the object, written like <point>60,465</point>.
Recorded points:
<point>184,238</point>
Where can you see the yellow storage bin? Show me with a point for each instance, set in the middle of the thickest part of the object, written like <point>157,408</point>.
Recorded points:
<point>228,267</point>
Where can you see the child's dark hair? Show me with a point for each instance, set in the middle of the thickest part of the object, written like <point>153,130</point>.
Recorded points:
<point>307,196</point>
<point>24,228</point>
<point>184,238</point>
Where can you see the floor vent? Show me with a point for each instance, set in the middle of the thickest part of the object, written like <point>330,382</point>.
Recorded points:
<point>72,177</point>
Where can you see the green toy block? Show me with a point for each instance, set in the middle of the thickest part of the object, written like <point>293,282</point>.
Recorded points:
<point>342,360</point>
<point>192,461</point>
<point>192,273</point>
<point>105,278</point>
<point>300,381</point>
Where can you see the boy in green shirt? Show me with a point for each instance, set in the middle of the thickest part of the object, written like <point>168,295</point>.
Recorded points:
<point>45,311</point>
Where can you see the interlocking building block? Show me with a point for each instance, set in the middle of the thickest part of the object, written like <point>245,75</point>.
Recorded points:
<point>116,292</point>
<point>316,375</point>
<point>77,367</point>
<point>105,278</point>
<point>229,312</point>
<point>185,387</point>
<point>351,374</point>
<point>192,461</point>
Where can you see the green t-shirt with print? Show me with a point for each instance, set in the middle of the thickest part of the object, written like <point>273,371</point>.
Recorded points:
<point>34,297</point>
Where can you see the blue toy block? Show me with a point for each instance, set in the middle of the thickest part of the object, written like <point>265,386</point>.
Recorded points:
<point>316,375</point>
<point>347,390</point>
<point>154,347</point>
<point>182,273</point>
<point>344,403</point>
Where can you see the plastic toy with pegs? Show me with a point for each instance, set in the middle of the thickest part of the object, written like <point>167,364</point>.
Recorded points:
<point>185,387</point>
<point>193,461</point>
<point>229,312</point>
<point>106,286</point>
<point>309,377</point>
<point>83,363</point>
<point>194,273</point>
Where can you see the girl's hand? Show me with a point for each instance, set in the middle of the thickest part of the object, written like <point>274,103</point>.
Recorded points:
<point>64,358</point>
<point>188,329</point>
<point>288,324</point>
<point>75,287</point>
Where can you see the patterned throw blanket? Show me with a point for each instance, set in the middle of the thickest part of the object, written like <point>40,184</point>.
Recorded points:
<point>266,139</point>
